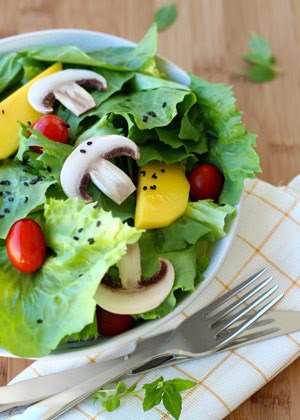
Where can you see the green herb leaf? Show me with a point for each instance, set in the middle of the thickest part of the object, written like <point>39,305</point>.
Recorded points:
<point>260,74</point>
<point>182,384</point>
<point>261,61</point>
<point>172,400</point>
<point>260,47</point>
<point>155,392</point>
<point>150,387</point>
<point>111,398</point>
<point>165,16</point>
<point>152,398</point>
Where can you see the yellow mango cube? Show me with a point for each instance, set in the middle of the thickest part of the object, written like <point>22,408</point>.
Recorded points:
<point>162,195</point>
<point>16,108</point>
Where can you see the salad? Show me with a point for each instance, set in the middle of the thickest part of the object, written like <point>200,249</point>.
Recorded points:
<point>114,181</point>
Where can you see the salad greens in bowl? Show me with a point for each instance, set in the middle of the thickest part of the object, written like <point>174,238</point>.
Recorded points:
<point>120,178</point>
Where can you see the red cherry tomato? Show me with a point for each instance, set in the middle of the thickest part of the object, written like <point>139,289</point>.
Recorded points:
<point>26,246</point>
<point>112,324</point>
<point>52,127</point>
<point>206,181</point>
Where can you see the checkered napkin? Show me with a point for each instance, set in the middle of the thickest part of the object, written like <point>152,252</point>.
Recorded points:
<point>268,235</point>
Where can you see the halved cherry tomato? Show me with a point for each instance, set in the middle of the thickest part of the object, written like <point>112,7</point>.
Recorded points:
<point>52,127</point>
<point>26,245</point>
<point>206,181</point>
<point>112,324</point>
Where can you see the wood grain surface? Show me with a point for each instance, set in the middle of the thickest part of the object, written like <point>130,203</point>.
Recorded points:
<point>208,38</point>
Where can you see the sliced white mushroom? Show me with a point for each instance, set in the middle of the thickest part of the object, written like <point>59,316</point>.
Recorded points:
<point>133,295</point>
<point>67,86</point>
<point>89,162</point>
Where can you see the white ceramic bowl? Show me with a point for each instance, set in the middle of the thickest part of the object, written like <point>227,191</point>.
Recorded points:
<point>89,40</point>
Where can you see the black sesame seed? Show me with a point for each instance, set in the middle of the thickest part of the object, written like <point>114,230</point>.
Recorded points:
<point>33,181</point>
<point>91,241</point>
<point>29,122</point>
<point>80,275</point>
<point>1,216</point>
<point>89,143</point>
<point>98,223</point>
<point>76,238</point>
<point>7,192</point>
<point>2,111</point>
<point>6,182</point>
<point>26,199</point>
<point>1,193</point>
<point>144,188</point>
<point>48,168</point>
<point>152,114</point>
<point>6,210</point>
<point>162,170</point>
<point>154,176</point>
<point>39,321</point>
<point>82,151</point>
<point>145,118</point>
<point>127,100</point>
<point>80,230</point>
<point>11,199</point>
<point>26,184</point>
<point>164,104</point>
<point>153,187</point>
<point>68,125</point>
<point>143,173</point>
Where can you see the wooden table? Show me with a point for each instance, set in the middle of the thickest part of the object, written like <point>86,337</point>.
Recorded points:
<point>209,38</point>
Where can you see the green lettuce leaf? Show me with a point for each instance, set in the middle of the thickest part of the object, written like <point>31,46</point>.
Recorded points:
<point>38,310</point>
<point>20,193</point>
<point>180,234</point>
<point>120,58</point>
<point>231,145</point>
<point>211,215</point>
<point>184,263</point>
<point>50,161</point>
<point>11,71</point>
<point>31,68</point>
<point>150,108</point>
<point>139,58</point>
<point>89,332</point>
<point>184,244</point>
<point>148,82</point>
<point>101,128</point>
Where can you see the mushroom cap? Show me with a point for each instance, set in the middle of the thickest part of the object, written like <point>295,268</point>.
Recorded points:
<point>41,96</point>
<point>119,300</point>
<point>75,173</point>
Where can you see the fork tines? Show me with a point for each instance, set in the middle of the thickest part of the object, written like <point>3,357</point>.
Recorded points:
<point>219,321</point>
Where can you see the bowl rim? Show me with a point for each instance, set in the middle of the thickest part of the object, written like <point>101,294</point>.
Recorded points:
<point>220,247</point>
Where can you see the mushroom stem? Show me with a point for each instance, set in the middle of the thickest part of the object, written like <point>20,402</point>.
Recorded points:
<point>112,181</point>
<point>130,269</point>
<point>74,98</point>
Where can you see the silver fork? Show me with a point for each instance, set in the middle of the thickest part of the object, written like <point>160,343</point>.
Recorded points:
<point>206,332</point>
